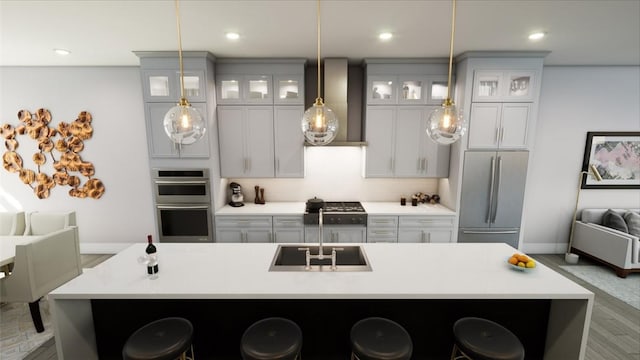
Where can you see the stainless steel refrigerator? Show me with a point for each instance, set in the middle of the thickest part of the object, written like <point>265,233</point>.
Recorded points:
<point>492,195</point>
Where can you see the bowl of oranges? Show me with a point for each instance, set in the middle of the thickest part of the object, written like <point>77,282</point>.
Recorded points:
<point>521,262</point>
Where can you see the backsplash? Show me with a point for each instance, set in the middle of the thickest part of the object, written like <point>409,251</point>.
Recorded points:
<point>334,173</point>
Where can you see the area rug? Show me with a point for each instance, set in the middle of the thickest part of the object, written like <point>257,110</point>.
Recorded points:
<point>627,289</point>
<point>18,336</point>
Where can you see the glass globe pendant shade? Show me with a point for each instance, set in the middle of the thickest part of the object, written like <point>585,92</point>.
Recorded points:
<point>445,124</point>
<point>319,124</point>
<point>184,124</point>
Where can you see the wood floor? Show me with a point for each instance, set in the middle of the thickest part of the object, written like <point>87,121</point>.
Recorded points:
<point>614,333</point>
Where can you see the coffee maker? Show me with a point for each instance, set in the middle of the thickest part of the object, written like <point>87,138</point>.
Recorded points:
<point>236,195</point>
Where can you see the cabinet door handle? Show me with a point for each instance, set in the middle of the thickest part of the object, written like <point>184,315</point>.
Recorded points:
<point>272,237</point>
<point>502,134</point>
<point>497,136</point>
<point>429,237</point>
<point>425,164</point>
<point>421,236</point>
<point>278,165</point>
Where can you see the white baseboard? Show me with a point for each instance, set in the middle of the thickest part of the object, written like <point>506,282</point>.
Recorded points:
<point>544,248</point>
<point>102,248</point>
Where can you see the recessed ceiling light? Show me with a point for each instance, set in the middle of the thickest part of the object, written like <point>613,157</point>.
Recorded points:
<point>233,36</point>
<point>62,51</point>
<point>536,35</point>
<point>385,36</point>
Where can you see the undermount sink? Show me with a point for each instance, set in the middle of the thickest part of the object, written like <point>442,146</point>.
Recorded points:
<point>292,258</point>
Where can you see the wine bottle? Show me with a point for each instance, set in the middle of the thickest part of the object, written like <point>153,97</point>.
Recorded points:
<point>152,259</point>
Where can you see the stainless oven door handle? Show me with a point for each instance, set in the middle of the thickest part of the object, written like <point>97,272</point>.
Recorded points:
<point>173,207</point>
<point>181,182</point>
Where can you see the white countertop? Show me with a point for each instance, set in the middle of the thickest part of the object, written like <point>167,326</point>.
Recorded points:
<point>270,208</point>
<point>400,271</point>
<point>394,208</point>
<point>372,208</point>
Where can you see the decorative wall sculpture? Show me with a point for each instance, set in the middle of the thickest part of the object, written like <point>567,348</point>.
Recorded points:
<point>67,140</point>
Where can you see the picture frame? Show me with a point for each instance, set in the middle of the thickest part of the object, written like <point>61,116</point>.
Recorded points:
<point>616,156</point>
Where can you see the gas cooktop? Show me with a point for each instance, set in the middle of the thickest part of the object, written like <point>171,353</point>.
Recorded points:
<point>338,213</point>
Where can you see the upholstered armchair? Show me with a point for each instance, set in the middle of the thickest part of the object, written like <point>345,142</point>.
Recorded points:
<point>40,266</point>
<point>41,223</point>
<point>11,223</point>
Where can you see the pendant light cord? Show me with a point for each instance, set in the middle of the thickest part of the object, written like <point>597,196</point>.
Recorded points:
<point>453,32</point>
<point>318,24</point>
<point>180,51</point>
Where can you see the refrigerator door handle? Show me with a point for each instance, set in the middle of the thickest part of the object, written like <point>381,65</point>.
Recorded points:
<point>495,209</point>
<point>490,232</point>
<point>491,185</point>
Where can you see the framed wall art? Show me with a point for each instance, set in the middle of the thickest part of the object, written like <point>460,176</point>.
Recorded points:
<point>616,156</point>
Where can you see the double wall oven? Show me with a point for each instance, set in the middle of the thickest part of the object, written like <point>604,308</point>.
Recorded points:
<point>183,205</point>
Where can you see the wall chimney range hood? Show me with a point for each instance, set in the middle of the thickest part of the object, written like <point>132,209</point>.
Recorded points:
<point>335,97</point>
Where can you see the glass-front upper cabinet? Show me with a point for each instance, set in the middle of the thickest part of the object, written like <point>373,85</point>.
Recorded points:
<point>164,86</point>
<point>506,86</point>
<point>382,90</point>
<point>244,89</point>
<point>411,90</point>
<point>437,87</point>
<point>289,89</point>
<point>403,90</point>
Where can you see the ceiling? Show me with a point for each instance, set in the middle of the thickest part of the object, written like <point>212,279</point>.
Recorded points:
<point>105,32</point>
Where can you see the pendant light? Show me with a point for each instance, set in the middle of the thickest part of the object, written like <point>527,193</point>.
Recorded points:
<point>319,123</point>
<point>445,124</point>
<point>183,123</point>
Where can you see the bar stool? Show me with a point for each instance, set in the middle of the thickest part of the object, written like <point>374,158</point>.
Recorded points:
<point>378,338</point>
<point>272,338</point>
<point>481,339</point>
<point>164,339</point>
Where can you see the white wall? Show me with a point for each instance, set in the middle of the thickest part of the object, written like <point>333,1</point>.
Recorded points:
<point>118,148</point>
<point>573,101</point>
<point>334,173</point>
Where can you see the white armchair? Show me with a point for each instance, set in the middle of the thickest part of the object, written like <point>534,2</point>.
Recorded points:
<point>11,223</point>
<point>617,249</point>
<point>41,223</point>
<point>40,266</point>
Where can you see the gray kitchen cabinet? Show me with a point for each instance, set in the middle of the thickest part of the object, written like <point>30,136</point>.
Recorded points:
<point>244,229</point>
<point>382,228</point>
<point>289,141</point>
<point>160,76</point>
<point>246,141</point>
<point>425,229</point>
<point>499,125</point>
<point>288,229</point>
<point>398,145</point>
<point>261,103</point>
<point>159,143</point>
<point>336,234</point>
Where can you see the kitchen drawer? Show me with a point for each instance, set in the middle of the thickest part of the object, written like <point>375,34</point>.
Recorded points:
<point>288,221</point>
<point>377,235</point>
<point>244,221</point>
<point>425,221</point>
<point>375,221</point>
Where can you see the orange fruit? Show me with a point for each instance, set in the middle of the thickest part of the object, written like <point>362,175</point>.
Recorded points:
<point>513,260</point>
<point>523,258</point>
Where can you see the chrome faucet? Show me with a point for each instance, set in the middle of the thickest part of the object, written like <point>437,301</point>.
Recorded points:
<point>320,255</point>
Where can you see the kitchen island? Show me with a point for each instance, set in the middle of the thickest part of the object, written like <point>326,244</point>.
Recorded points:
<point>223,288</point>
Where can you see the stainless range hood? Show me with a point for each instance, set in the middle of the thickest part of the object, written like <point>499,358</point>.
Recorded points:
<point>336,77</point>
